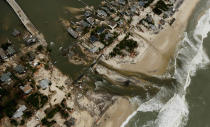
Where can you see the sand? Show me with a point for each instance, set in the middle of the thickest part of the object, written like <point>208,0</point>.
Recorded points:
<point>162,46</point>
<point>74,10</point>
<point>154,61</point>
<point>117,113</point>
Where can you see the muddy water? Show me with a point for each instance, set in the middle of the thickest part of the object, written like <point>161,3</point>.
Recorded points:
<point>46,15</point>
<point>8,21</point>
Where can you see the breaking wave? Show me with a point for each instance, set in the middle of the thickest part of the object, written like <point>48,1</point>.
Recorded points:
<point>171,105</point>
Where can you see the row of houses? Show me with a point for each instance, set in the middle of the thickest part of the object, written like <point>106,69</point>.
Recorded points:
<point>7,52</point>
<point>117,15</point>
<point>9,78</point>
<point>93,19</point>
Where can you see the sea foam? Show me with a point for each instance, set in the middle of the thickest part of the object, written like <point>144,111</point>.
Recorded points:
<point>191,54</point>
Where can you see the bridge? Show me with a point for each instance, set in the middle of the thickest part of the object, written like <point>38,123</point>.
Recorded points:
<point>26,22</point>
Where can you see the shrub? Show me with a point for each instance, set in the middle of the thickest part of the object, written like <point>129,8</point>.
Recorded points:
<point>27,114</point>
<point>10,108</point>
<point>52,112</point>
<point>44,100</point>
<point>46,66</point>
<point>22,122</point>
<point>157,11</point>
<point>37,100</point>
<point>161,5</point>
<point>40,48</point>
<point>64,113</point>
<point>148,2</point>
<point>14,122</point>
<point>47,123</point>
<point>33,100</point>
<point>127,44</point>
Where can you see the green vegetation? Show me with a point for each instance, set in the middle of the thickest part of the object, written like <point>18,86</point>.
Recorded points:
<point>126,44</point>
<point>33,70</point>
<point>160,6</point>
<point>46,66</point>
<point>37,100</point>
<point>85,30</point>
<point>1,114</point>
<point>14,122</point>
<point>64,113</point>
<point>109,40</point>
<point>51,112</point>
<point>100,32</point>
<point>3,92</point>
<point>49,49</point>
<point>27,114</point>
<point>8,100</point>
<point>157,11</point>
<point>10,108</point>
<point>63,103</point>
<point>61,108</point>
<point>47,123</point>
<point>147,3</point>
<point>22,122</point>
<point>40,48</point>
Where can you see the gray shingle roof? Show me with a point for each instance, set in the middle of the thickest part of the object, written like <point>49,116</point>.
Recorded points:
<point>19,69</point>
<point>73,33</point>
<point>5,77</point>
<point>10,51</point>
<point>44,83</point>
<point>2,54</point>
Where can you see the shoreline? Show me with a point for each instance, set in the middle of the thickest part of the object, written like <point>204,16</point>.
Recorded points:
<point>161,47</point>
<point>118,112</point>
<point>174,33</point>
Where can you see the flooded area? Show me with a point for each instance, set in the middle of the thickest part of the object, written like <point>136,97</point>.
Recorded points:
<point>47,18</point>
<point>48,15</point>
<point>8,22</point>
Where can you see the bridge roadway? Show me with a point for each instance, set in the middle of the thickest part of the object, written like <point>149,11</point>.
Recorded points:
<point>27,23</point>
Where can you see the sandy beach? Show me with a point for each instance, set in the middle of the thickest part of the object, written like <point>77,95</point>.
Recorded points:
<point>93,109</point>
<point>117,113</point>
<point>155,59</point>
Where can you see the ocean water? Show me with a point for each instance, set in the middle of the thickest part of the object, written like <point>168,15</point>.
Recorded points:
<point>189,103</point>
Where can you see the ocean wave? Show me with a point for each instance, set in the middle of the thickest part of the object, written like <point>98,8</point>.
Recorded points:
<point>189,58</point>
<point>172,113</point>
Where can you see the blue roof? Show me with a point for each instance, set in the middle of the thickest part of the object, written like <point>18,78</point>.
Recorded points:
<point>101,13</point>
<point>141,3</point>
<point>121,2</point>
<point>93,38</point>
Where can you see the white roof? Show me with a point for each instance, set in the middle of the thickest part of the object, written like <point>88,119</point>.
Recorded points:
<point>19,112</point>
<point>44,83</point>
